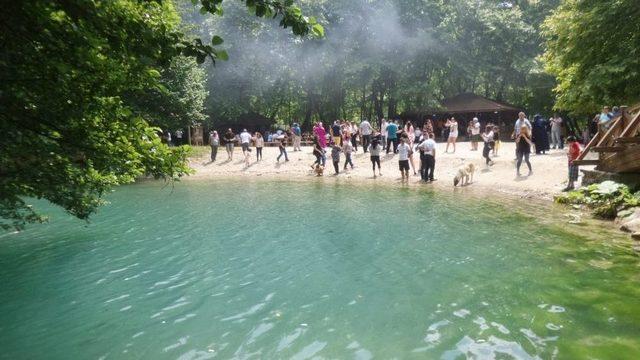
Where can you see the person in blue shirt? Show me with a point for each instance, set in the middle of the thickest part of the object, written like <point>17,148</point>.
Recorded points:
<point>392,136</point>
<point>297,136</point>
<point>605,120</point>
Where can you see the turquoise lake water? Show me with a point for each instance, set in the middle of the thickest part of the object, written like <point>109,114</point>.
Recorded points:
<point>270,270</point>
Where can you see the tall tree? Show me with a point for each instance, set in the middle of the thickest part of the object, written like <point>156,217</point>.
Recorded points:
<point>69,73</point>
<point>592,48</point>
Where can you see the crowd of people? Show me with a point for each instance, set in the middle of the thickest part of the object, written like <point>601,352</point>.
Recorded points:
<point>415,146</point>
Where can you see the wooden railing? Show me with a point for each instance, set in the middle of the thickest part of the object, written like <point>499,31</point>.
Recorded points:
<point>617,146</point>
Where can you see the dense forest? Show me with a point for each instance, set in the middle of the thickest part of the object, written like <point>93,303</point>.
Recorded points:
<point>88,86</point>
<point>378,59</point>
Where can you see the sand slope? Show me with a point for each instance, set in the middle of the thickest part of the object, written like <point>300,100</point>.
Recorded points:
<point>549,171</point>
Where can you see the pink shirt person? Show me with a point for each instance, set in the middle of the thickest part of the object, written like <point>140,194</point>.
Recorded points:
<point>322,135</point>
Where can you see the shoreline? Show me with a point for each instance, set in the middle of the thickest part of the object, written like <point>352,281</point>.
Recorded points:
<point>548,179</point>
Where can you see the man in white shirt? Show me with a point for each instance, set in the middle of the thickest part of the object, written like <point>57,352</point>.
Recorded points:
<point>556,131</point>
<point>383,133</point>
<point>245,141</point>
<point>403,158</point>
<point>179,135</point>
<point>522,121</point>
<point>475,133</point>
<point>365,131</point>
<point>427,150</point>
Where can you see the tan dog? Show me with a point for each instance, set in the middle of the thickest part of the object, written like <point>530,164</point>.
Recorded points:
<point>319,170</point>
<point>464,175</point>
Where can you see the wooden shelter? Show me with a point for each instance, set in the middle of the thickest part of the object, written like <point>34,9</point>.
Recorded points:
<point>617,149</point>
<point>466,106</point>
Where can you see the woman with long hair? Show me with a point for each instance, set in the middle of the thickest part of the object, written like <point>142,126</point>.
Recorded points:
<point>410,132</point>
<point>523,148</point>
<point>452,125</point>
<point>318,152</point>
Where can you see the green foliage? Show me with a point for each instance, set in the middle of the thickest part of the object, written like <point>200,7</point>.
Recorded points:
<point>606,198</point>
<point>592,49</point>
<point>178,99</point>
<point>82,84</point>
<point>379,58</point>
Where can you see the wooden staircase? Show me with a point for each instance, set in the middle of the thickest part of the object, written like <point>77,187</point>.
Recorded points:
<point>618,149</point>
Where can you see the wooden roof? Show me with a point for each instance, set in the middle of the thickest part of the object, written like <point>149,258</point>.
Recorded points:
<point>472,103</point>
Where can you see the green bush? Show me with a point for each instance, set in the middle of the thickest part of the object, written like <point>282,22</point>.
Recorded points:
<point>606,198</point>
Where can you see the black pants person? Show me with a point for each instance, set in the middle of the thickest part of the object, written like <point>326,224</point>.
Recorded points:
<point>430,163</point>
<point>486,151</point>
<point>283,151</point>
<point>336,166</point>
<point>395,145</point>
<point>258,153</point>
<point>354,142</point>
<point>214,152</point>
<point>366,140</point>
<point>347,161</point>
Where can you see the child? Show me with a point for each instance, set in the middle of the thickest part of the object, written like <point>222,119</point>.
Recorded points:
<point>374,149</point>
<point>496,140</point>
<point>572,153</point>
<point>347,148</point>
<point>247,156</point>
<point>283,149</point>
<point>403,158</point>
<point>335,156</point>
<point>259,141</point>
<point>489,143</point>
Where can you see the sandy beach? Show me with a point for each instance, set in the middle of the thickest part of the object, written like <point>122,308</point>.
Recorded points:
<point>549,171</point>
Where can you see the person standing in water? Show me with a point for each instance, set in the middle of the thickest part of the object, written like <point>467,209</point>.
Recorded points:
<point>318,152</point>
<point>259,141</point>
<point>375,149</point>
<point>523,148</point>
<point>452,124</point>
<point>229,142</point>
<point>403,158</point>
<point>214,142</point>
<point>489,143</point>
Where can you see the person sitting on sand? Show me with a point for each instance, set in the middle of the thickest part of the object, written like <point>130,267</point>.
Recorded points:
<point>335,156</point>
<point>375,149</point>
<point>523,148</point>
<point>403,158</point>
